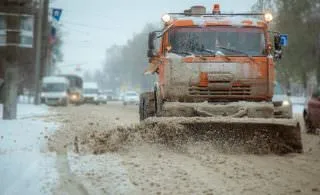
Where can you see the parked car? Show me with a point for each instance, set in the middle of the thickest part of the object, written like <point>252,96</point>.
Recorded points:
<point>131,97</point>
<point>311,113</point>
<point>121,96</point>
<point>102,98</point>
<point>282,103</point>
<point>111,96</point>
<point>91,93</point>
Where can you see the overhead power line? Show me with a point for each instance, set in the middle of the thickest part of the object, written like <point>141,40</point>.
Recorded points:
<point>83,11</point>
<point>88,26</point>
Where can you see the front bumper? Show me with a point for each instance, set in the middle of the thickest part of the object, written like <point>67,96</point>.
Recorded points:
<point>90,100</point>
<point>283,111</point>
<point>55,101</point>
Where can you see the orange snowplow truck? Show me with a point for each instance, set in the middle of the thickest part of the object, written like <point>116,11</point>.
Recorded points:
<point>218,69</point>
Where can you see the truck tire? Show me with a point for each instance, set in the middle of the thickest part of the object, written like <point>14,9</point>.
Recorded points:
<point>158,101</point>
<point>147,105</point>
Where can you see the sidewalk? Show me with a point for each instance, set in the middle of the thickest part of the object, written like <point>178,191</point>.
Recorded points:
<point>24,167</point>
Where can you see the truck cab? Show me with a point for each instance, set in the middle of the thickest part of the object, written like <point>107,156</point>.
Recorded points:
<point>214,57</point>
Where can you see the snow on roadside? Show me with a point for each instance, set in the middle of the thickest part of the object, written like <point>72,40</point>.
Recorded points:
<point>297,104</point>
<point>297,108</point>
<point>26,169</point>
<point>28,110</point>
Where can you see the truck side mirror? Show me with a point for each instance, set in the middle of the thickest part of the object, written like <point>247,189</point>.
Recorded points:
<point>280,40</point>
<point>151,44</point>
<point>277,47</point>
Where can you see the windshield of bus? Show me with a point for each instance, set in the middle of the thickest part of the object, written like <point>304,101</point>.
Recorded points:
<point>54,87</point>
<point>231,41</point>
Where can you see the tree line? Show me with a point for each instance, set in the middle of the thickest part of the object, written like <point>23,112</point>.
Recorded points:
<point>301,21</point>
<point>124,65</point>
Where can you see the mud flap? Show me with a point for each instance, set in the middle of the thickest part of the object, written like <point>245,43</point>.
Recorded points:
<point>251,135</point>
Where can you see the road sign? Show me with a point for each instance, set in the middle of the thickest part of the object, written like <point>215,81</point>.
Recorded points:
<point>283,39</point>
<point>56,13</point>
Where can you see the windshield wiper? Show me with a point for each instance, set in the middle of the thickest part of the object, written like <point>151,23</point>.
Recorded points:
<point>236,51</point>
<point>215,53</point>
<point>181,52</point>
<point>208,51</point>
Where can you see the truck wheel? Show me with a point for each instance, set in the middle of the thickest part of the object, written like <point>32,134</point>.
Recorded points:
<point>158,101</point>
<point>147,105</point>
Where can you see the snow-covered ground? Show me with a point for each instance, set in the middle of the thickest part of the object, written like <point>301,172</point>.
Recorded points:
<point>28,110</point>
<point>24,167</point>
<point>298,104</point>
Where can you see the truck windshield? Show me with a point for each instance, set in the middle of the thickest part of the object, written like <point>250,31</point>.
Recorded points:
<point>54,87</point>
<point>87,91</point>
<point>231,41</point>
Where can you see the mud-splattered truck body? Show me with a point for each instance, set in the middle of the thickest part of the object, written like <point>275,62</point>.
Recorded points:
<point>221,58</point>
<point>215,65</point>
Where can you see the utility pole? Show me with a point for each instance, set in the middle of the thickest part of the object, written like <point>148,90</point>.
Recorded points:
<point>37,78</point>
<point>45,39</point>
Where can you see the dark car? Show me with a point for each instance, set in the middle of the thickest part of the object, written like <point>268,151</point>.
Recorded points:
<point>311,113</point>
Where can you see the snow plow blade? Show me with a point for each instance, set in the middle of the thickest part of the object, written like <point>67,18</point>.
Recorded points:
<point>253,135</point>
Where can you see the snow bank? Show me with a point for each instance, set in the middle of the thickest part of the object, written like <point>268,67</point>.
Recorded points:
<point>27,111</point>
<point>26,169</point>
<point>298,104</point>
<point>298,100</point>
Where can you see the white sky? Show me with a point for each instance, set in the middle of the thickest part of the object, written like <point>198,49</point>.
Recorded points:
<point>90,27</point>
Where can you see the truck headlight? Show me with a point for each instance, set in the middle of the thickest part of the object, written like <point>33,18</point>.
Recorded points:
<point>285,103</point>
<point>74,97</point>
<point>268,17</point>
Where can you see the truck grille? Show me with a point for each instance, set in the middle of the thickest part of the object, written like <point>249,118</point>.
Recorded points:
<point>233,91</point>
<point>277,104</point>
